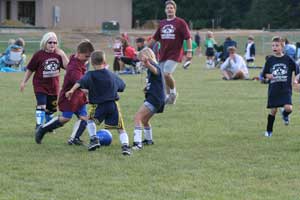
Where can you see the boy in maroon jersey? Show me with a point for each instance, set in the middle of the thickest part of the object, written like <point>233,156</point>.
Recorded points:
<point>45,65</point>
<point>171,33</point>
<point>77,104</point>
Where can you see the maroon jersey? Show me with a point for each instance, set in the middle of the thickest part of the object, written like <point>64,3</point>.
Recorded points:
<point>46,67</point>
<point>171,34</point>
<point>75,70</point>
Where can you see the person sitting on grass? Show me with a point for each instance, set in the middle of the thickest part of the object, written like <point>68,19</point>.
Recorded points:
<point>234,66</point>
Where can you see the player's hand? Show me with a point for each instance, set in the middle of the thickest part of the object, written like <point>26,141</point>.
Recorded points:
<point>269,76</point>
<point>69,94</point>
<point>296,80</point>
<point>22,86</point>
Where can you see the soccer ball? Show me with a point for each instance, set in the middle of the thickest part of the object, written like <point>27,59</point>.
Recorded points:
<point>105,137</point>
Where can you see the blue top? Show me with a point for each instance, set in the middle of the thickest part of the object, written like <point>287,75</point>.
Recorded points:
<point>228,43</point>
<point>103,86</point>
<point>155,88</point>
<point>282,70</point>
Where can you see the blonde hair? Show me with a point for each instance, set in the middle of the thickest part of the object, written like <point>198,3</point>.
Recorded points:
<point>172,3</point>
<point>148,53</point>
<point>45,39</point>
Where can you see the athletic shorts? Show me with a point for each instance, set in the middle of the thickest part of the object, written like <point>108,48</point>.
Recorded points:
<point>210,52</point>
<point>152,108</point>
<point>109,112</point>
<point>168,66</point>
<point>81,112</point>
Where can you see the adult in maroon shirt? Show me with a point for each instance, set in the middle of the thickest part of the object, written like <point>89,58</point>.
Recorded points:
<point>77,104</point>
<point>171,33</point>
<point>45,65</point>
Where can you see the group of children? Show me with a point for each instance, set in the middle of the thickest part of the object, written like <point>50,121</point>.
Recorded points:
<point>98,88</point>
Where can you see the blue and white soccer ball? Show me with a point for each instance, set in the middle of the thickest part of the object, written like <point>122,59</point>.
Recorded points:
<point>105,137</point>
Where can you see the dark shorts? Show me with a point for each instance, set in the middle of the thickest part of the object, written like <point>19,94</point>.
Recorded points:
<point>108,112</point>
<point>210,52</point>
<point>280,101</point>
<point>49,100</point>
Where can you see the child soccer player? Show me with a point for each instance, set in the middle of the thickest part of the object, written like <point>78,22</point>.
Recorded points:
<point>45,65</point>
<point>278,69</point>
<point>154,102</point>
<point>103,87</point>
<point>77,104</point>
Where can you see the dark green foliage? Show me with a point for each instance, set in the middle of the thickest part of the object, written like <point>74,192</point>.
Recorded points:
<point>251,14</point>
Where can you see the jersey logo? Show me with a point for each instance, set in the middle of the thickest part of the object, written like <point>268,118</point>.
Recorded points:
<point>279,72</point>
<point>168,32</point>
<point>51,68</point>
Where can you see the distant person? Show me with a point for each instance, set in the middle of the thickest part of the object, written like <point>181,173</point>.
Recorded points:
<point>117,49</point>
<point>234,66</point>
<point>103,87</point>
<point>250,51</point>
<point>229,42</point>
<point>75,105</point>
<point>140,43</point>
<point>128,55</point>
<point>279,70</point>
<point>154,99</point>
<point>171,33</point>
<point>210,52</point>
<point>45,65</point>
<point>289,49</point>
<point>197,39</point>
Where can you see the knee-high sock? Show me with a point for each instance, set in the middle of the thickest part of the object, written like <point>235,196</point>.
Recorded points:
<point>75,128</point>
<point>137,134</point>
<point>51,125</point>
<point>285,113</point>
<point>40,116</point>
<point>123,137</point>
<point>92,129</point>
<point>271,120</point>
<point>148,133</point>
<point>81,128</point>
<point>49,116</point>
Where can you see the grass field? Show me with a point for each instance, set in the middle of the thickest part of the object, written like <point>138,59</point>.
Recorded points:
<point>210,145</point>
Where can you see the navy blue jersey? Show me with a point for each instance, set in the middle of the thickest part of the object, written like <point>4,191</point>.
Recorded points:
<point>103,86</point>
<point>280,87</point>
<point>155,88</point>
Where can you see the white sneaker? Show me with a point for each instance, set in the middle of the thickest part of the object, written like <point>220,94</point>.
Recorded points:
<point>268,134</point>
<point>172,98</point>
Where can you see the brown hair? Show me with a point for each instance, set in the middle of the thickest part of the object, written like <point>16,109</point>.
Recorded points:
<point>98,58</point>
<point>85,46</point>
<point>278,39</point>
<point>20,42</point>
<point>172,3</point>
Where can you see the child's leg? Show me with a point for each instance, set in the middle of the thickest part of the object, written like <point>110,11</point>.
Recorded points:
<point>80,124</point>
<point>286,111</point>
<point>142,117</point>
<point>271,119</point>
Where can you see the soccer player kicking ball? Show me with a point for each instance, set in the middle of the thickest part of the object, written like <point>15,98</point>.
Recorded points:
<point>103,87</point>
<point>75,105</point>
<point>154,99</point>
<point>279,69</point>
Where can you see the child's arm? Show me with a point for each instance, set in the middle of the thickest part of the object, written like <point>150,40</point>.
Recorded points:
<point>72,90</point>
<point>64,57</point>
<point>27,75</point>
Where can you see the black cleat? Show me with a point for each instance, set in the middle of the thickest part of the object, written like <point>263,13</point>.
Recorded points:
<point>39,134</point>
<point>126,150</point>
<point>148,142</point>
<point>75,141</point>
<point>94,144</point>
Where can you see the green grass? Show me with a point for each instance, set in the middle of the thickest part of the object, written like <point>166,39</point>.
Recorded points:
<point>210,145</point>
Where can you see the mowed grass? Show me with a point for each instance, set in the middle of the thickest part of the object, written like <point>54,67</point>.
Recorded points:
<point>210,145</point>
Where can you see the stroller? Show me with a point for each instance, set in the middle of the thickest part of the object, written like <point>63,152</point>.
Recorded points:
<point>218,55</point>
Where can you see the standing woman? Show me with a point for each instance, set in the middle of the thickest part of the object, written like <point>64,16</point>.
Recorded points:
<point>45,64</point>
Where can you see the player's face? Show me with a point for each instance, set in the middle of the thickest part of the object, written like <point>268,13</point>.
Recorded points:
<point>170,11</point>
<point>277,48</point>
<point>84,57</point>
<point>51,45</point>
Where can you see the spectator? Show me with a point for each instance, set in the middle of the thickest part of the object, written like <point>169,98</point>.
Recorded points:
<point>198,42</point>
<point>289,49</point>
<point>210,53</point>
<point>250,51</point>
<point>228,43</point>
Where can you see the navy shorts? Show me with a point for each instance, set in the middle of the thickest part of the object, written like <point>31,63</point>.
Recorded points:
<point>279,101</point>
<point>109,112</point>
<point>210,52</point>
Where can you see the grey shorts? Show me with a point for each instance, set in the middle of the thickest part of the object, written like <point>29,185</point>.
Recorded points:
<point>150,107</point>
<point>168,66</point>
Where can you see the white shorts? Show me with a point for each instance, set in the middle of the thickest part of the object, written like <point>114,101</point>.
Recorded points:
<point>168,66</point>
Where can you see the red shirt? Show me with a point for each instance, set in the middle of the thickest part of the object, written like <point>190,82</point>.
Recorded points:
<point>46,67</point>
<point>171,34</point>
<point>75,70</point>
<point>129,52</point>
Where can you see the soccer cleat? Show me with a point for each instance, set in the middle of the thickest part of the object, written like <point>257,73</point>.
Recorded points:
<point>137,146</point>
<point>75,141</point>
<point>126,150</point>
<point>148,142</point>
<point>268,133</point>
<point>94,144</point>
<point>285,119</point>
<point>39,134</point>
<point>172,98</point>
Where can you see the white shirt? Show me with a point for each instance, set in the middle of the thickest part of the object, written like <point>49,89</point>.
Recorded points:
<point>234,65</point>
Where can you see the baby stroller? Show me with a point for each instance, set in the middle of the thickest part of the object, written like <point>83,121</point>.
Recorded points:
<point>218,55</point>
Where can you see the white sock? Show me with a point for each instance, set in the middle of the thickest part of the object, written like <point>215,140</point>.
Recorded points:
<point>75,128</point>
<point>91,127</point>
<point>137,134</point>
<point>173,91</point>
<point>148,133</point>
<point>124,138</point>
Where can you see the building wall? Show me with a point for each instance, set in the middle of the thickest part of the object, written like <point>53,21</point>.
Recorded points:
<point>88,13</point>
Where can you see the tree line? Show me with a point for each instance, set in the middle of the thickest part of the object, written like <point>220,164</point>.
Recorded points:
<point>249,14</point>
